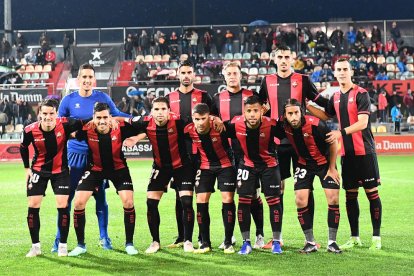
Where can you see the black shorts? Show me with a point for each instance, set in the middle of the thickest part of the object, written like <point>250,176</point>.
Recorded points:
<point>37,184</point>
<point>360,171</point>
<point>206,178</point>
<point>92,180</point>
<point>195,165</point>
<point>248,177</point>
<point>183,178</point>
<point>304,176</point>
<point>285,154</point>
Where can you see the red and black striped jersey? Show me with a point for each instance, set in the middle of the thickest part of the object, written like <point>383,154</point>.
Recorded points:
<point>227,105</point>
<point>168,141</point>
<point>183,103</point>
<point>308,140</point>
<point>106,149</point>
<point>257,144</point>
<point>50,148</point>
<point>214,148</point>
<point>276,90</point>
<point>347,106</point>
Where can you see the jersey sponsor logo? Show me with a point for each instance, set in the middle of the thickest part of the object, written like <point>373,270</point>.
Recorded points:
<point>225,100</point>
<point>240,133</point>
<point>273,84</point>
<point>93,140</point>
<point>176,101</point>
<point>77,105</point>
<point>38,140</point>
<point>197,141</point>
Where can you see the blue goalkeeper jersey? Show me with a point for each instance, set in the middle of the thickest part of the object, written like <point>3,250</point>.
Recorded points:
<point>78,107</point>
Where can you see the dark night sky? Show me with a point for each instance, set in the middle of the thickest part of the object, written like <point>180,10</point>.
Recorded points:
<point>54,14</point>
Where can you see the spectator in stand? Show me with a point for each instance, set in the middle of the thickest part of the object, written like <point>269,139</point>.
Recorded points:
<point>381,76</point>
<point>163,43</point>
<point>141,71</point>
<point>361,35</point>
<point>371,62</point>
<point>396,116</point>
<point>321,40</point>
<point>402,65</point>
<point>30,57</point>
<point>375,35</point>
<point>396,34</point>
<point>308,69</point>
<point>315,77</point>
<point>371,73</point>
<point>358,49</point>
<point>351,37</point>
<point>5,48</point>
<point>135,42</point>
<point>218,39</point>
<point>373,50</point>
<point>408,101</point>
<point>11,62</point>
<point>25,110</point>
<point>382,106</point>
<point>148,102</point>
<point>40,57</point>
<point>207,43</point>
<point>44,43</point>
<point>3,62</point>
<point>144,43</point>
<point>244,38</point>
<point>194,43</point>
<point>128,47</point>
<point>28,121</point>
<point>20,44</point>
<point>326,74</point>
<point>337,40</point>
<point>394,99</point>
<point>391,48</point>
<point>3,117</point>
<point>67,42</point>
<point>229,41</point>
<point>270,39</point>
<point>173,42</point>
<point>124,105</point>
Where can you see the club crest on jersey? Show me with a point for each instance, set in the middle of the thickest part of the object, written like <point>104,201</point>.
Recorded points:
<point>170,130</point>
<point>295,83</point>
<point>305,135</point>
<point>113,138</point>
<point>194,99</point>
<point>351,100</point>
<point>239,183</point>
<point>58,134</point>
<point>262,135</point>
<point>77,105</point>
<point>214,139</point>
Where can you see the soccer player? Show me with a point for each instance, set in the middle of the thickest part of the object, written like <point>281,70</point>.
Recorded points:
<point>79,105</point>
<point>359,163</point>
<point>182,101</point>
<point>256,136</point>
<point>216,163</point>
<point>227,104</point>
<point>307,135</point>
<point>274,91</point>
<point>107,162</point>
<point>165,132</point>
<point>48,137</point>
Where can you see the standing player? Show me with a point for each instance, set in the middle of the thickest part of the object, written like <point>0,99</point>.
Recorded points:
<point>165,132</point>
<point>227,104</point>
<point>107,162</point>
<point>216,163</point>
<point>274,91</point>
<point>79,105</point>
<point>49,138</point>
<point>351,105</point>
<point>256,136</point>
<point>307,135</point>
<point>182,101</point>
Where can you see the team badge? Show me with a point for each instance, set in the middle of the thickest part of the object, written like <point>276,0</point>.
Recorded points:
<point>170,130</point>
<point>239,183</point>
<point>351,100</point>
<point>295,83</point>
<point>113,138</point>
<point>58,134</point>
<point>214,139</point>
<point>77,105</point>
<point>197,183</point>
<point>262,135</point>
<point>30,186</point>
<point>194,99</point>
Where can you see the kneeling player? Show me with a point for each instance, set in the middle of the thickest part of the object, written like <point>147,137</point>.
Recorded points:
<point>256,136</point>
<point>307,135</point>
<point>108,162</point>
<point>49,138</point>
<point>165,131</point>
<point>216,163</point>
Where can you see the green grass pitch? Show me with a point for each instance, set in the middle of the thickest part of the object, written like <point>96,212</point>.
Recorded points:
<point>396,258</point>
